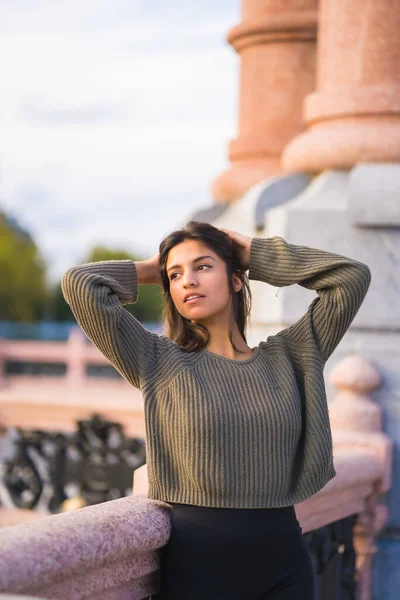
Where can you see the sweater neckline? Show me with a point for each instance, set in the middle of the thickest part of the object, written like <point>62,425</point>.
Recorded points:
<point>256,350</point>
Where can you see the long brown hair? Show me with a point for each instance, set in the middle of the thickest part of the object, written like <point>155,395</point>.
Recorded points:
<point>194,336</point>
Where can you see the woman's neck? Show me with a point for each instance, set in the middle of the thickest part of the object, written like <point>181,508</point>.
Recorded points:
<point>219,343</point>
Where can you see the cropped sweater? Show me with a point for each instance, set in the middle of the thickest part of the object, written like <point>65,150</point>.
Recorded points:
<point>220,432</point>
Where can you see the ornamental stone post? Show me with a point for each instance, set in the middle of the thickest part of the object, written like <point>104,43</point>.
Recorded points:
<point>357,424</point>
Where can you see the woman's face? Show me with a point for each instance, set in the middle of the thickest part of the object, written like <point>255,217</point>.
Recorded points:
<point>194,270</point>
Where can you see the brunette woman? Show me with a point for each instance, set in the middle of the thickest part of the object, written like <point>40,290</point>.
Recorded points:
<point>236,435</point>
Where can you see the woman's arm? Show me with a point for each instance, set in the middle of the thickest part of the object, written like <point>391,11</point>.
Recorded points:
<point>96,293</point>
<point>341,284</point>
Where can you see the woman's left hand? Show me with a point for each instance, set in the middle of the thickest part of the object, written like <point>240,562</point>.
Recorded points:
<point>244,243</point>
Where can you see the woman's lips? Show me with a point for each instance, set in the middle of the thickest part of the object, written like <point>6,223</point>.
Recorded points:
<point>193,300</point>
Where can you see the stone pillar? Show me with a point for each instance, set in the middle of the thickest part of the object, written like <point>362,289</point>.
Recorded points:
<point>2,364</point>
<point>76,361</point>
<point>276,42</point>
<point>354,115</point>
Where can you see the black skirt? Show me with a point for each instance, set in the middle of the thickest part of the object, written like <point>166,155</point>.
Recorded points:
<point>235,554</point>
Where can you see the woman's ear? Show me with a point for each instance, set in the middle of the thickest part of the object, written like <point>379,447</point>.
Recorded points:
<point>237,282</point>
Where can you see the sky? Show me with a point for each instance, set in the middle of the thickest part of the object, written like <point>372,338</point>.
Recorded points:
<point>115,117</point>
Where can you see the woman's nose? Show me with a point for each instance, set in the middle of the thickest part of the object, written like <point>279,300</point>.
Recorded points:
<point>189,280</point>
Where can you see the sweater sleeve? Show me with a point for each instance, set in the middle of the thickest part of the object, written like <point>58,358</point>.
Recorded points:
<point>96,293</point>
<point>341,284</point>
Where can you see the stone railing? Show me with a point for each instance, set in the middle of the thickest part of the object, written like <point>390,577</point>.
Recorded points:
<point>102,552</point>
<point>110,551</point>
<point>75,354</point>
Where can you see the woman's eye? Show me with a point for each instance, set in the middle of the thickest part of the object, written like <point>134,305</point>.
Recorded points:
<point>173,275</point>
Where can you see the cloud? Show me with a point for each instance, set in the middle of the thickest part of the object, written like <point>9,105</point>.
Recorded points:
<point>36,110</point>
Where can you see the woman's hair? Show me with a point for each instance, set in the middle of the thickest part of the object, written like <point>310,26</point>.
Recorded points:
<point>193,336</point>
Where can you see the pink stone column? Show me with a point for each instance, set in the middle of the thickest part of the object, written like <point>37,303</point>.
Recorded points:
<point>354,115</point>
<point>276,42</point>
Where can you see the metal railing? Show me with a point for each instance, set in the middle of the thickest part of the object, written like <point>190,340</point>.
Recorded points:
<point>46,469</point>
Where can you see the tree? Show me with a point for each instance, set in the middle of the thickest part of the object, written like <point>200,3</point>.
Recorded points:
<point>23,290</point>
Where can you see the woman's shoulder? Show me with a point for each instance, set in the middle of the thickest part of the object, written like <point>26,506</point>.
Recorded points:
<point>279,344</point>
<point>301,354</point>
<point>180,354</point>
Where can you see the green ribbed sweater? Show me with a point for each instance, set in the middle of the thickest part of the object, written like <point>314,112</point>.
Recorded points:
<point>251,433</point>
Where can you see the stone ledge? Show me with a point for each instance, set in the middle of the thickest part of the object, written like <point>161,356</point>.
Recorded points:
<point>87,552</point>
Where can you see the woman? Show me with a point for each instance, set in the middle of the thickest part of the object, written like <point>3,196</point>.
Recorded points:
<point>235,435</point>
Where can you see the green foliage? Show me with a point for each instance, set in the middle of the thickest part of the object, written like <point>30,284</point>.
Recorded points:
<point>25,295</point>
<point>99,253</point>
<point>60,310</point>
<point>23,291</point>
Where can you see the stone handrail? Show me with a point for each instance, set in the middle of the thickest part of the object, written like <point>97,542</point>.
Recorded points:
<point>110,551</point>
<point>102,552</point>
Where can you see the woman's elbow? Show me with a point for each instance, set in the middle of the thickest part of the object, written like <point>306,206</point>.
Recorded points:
<point>68,283</point>
<point>366,276</point>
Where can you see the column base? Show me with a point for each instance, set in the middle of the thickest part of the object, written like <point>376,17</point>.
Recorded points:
<point>341,144</point>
